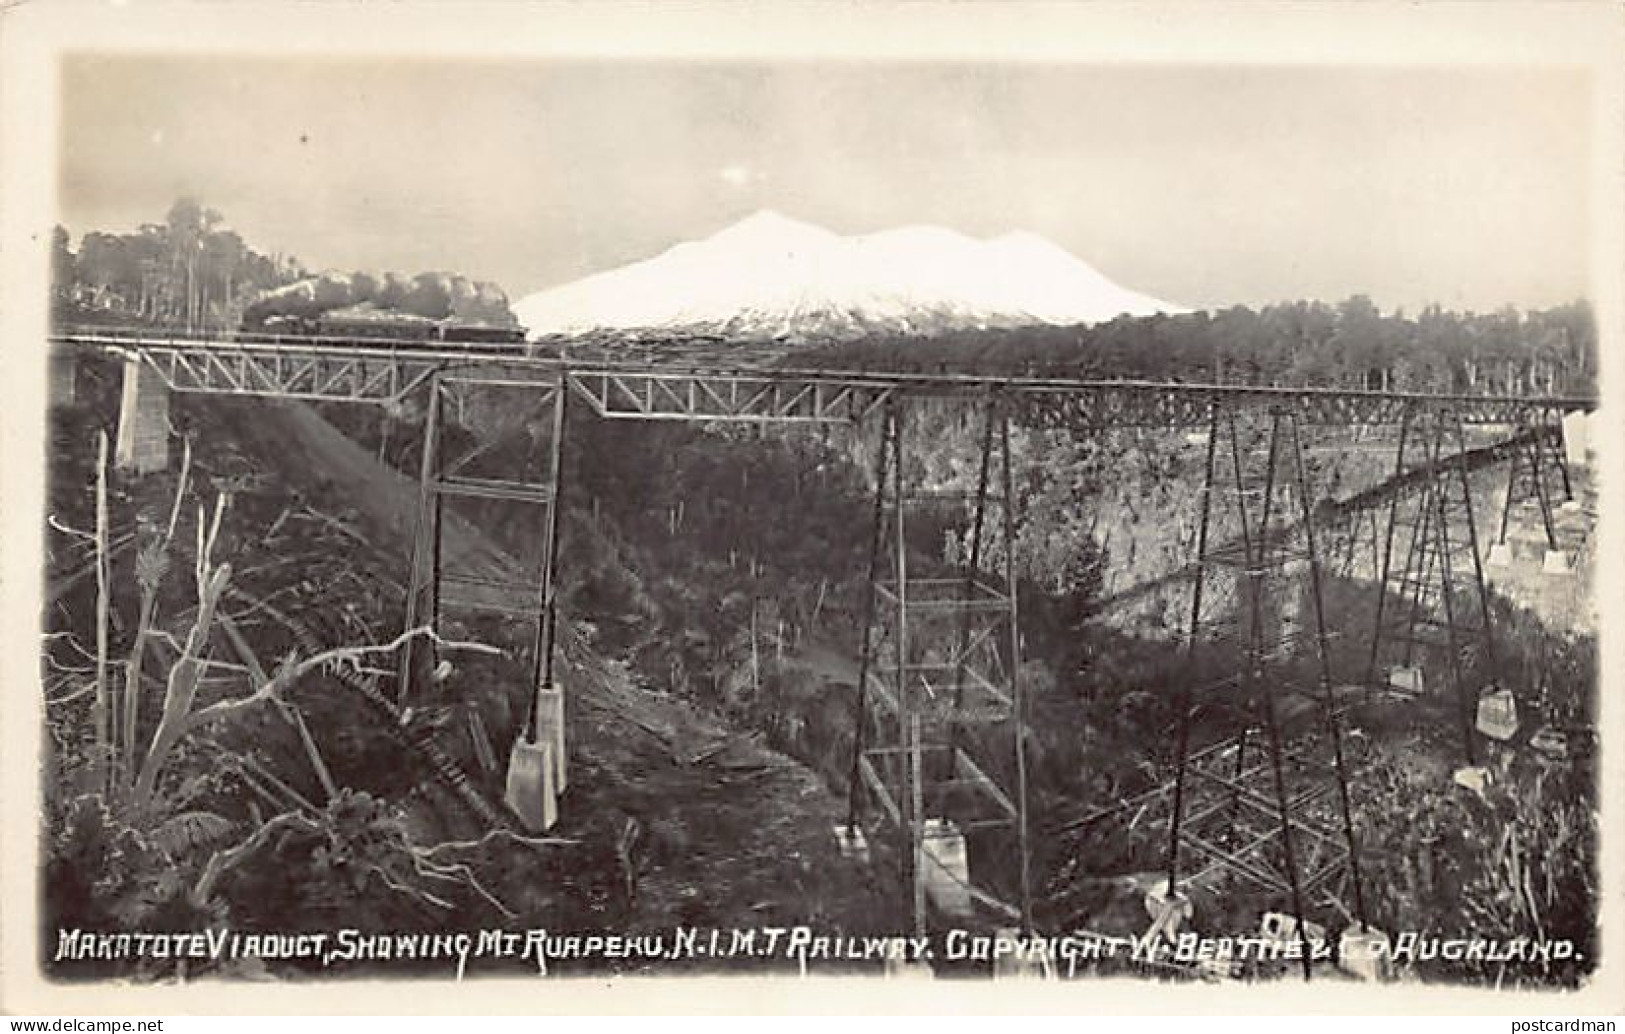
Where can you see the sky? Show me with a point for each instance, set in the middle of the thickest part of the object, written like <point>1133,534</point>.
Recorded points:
<point>1204,185</point>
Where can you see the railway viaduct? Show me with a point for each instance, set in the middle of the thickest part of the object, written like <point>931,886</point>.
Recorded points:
<point>939,654</point>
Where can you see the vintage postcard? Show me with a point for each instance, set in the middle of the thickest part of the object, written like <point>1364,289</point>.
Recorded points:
<point>899,506</point>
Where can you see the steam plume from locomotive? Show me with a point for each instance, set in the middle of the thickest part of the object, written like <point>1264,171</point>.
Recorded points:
<point>431,296</point>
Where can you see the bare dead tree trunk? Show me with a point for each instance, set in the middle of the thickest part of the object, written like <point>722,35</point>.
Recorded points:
<point>104,709</point>
<point>150,568</point>
<point>182,688</point>
<point>755,656</point>
<point>187,671</point>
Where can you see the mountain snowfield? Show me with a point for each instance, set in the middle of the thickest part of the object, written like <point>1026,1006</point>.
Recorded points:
<point>769,276</point>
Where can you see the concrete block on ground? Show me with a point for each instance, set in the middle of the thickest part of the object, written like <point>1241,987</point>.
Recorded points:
<point>1405,678</point>
<point>1500,555</point>
<point>1556,562</point>
<point>1472,777</point>
<point>1365,953</point>
<point>143,420</point>
<point>1498,714</point>
<point>550,729</point>
<point>851,842</point>
<point>531,792</point>
<point>1168,912</point>
<point>1282,930</point>
<point>1577,439</point>
<point>946,868</point>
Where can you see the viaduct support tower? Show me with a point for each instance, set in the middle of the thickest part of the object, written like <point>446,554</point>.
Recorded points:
<point>1267,808</point>
<point>1539,479</point>
<point>524,417</point>
<point>1432,624</point>
<point>939,746</point>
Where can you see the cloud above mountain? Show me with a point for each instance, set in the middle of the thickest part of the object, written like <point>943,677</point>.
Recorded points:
<point>770,276</point>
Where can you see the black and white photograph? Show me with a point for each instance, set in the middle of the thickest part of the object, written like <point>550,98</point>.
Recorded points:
<point>1009,499</point>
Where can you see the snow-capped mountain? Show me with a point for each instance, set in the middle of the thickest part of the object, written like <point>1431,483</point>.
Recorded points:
<point>769,276</point>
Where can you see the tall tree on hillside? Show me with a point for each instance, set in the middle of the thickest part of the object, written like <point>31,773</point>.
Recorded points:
<point>156,285</point>
<point>1355,345</point>
<point>190,224</point>
<point>223,256</point>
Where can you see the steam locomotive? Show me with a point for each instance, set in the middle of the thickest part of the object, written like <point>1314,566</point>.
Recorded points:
<point>429,308</point>
<point>384,326</point>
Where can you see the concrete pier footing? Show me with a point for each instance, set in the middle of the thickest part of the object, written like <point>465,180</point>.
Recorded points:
<point>536,769</point>
<point>1472,777</point>
<point>1405,679</point>
<point>531,792</point>
<point>1577,439</point>
<point>853,845</point>
<point>946,868</point>
<point>143,420</point>
<point>1497,715</point>
<point>1282,930</point>
<point>551,703</point>
<point>1365,953</point>
<point>1168,912</point>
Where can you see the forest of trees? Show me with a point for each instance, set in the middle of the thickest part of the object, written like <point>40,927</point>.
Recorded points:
<point>190,270</point>
<point>1350,345</point>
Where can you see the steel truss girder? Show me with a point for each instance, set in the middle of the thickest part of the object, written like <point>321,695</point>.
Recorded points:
<point>369,370</point>
<point>755,398</point>
<point>1098,406</point>
<point>314,378</point>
